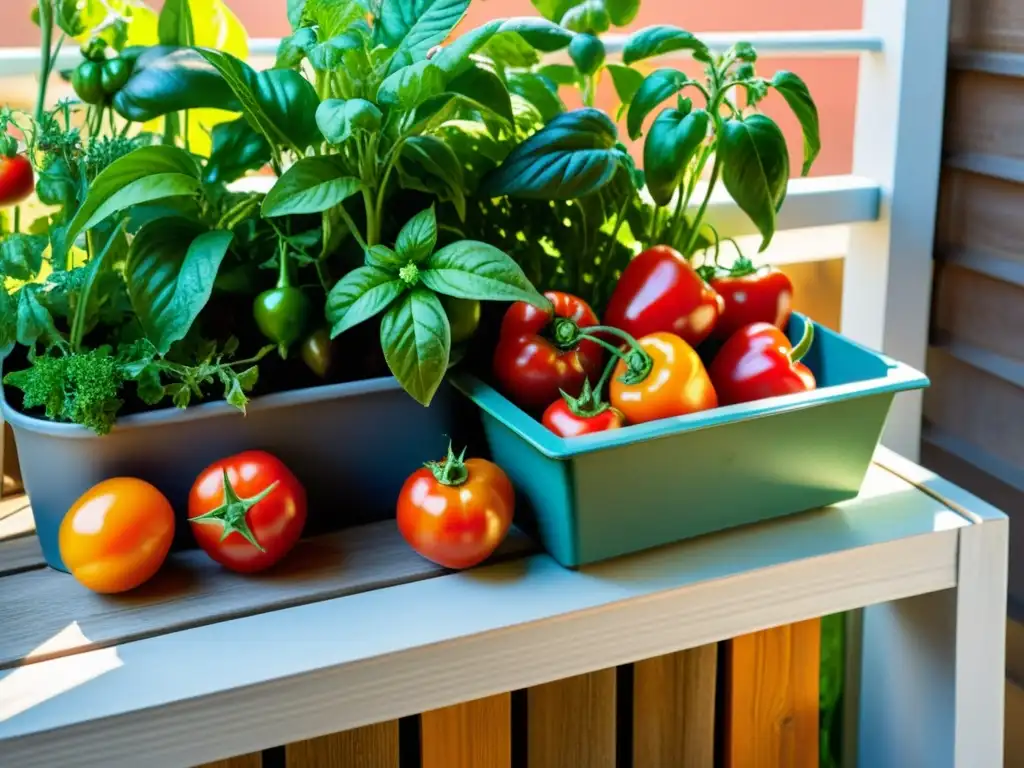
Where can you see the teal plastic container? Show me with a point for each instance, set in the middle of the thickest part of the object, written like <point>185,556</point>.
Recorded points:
<point>598,496</point>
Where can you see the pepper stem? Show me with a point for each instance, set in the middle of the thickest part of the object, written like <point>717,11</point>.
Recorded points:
<point>565,333</point>
<point>283,280</point>
<point>638,362</point>
<point>231,514</point>
<point>452,470</point>
<point>806,340</point>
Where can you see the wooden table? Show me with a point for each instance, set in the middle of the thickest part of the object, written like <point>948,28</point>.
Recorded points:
<point>355,630</point>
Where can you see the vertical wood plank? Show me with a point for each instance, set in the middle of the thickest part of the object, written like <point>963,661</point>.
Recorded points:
<point>772,697</point>
<point>255,760</point>
<point>674,709</point>
<point>571,722</point>
<point>475,734</point>
<point>372,746</point>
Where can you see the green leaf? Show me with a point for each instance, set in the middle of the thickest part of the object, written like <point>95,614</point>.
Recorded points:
<point>656,87</point>
<point>55,184</point>
<point>484,90</point>
<point>469,269</point>
<point>21,255</point>
<point>330,55</point>
<point>338,119</point>
<point>572,156</point>
<point>627,81</point>
<point>312,185</point>
<point>658,40</point>
<point>798,96</point>
<point>416,26</point>
<point>296,8</point>
<point>167,80</point>
<point>34,322</point>
<point>622,12</point>
<point>433,158</point>
<point>233,392</point>
<point>560,74</point>
<point>385,258</point>
<point>279,103</point>
<point>510,50</point>
<point>332,17</point>
<point>412,85</point>
<point>553,10</point>
<point>416,340</point>
<point>671,144</point>
<point>542,34</point>
<point>478,152</point>
<point>248,378</point>
<point>589,16</point>
<point>755,169</point>
<point>147,174</point>
<point>418,237</point>
<point>539,90</point>
<point>170,271</point>
<point>174,26</point>
<point>294,48</point>
<point>361,294</point>
<point>237,148</point>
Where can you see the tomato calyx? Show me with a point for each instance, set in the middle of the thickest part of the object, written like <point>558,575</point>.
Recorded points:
<point>589,404</point>
<point>451,470</point>
<point>231,514</point>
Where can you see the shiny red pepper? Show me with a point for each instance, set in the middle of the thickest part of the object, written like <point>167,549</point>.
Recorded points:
<point>752,295</point>
<point>758,362</point>
<point>539,354</point>
<point>660,291</point>
<point>584,415</point>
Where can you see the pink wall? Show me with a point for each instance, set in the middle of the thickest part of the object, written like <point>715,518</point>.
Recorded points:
<point>832,81</point>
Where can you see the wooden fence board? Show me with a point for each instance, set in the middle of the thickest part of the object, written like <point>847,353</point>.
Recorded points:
<point>475,734</point>
<point>979,106</point>
<point>372,746</point>
<point>571,722</point>
<point>993,24</point>
<point>772,698</point>
<point>674,709</point>
<point>979,310</point>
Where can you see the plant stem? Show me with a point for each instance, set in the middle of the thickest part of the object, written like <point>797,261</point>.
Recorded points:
<point>609,251</point>
<point>81,308</point>
<point>695,229</point>
<point>46,28</point>
<point>17,219</point>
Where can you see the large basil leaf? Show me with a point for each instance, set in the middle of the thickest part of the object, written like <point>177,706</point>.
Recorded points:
<point>469,269</point>
<point>572,156</point>
<point>539,90</point>
<point>670,146</point>
<point>237,148</point>
<point>144,175</point>
<point>279,103</point>
<point>294,48</point>
<point>417,340</point>
<point>658,40</point>
<point>436,167</point>
<point>627,81</point>
<point>21,255</point>
<point>477,150</point>
<point>484,90</point>
<point>544,35</point>
<point>174,26</point>
<point>338,119</point>
<point>166,80</point>
<point>416,26</point>
<point>589,16</point>
<point>170,271</point>
<point>410,86</point>
<point>361,294</point>
<point>418,237</point>
<point>798,96</point>
<point>312,185</point>
<point>755,169</point>
<point>622,12</point>
<point>655,88</point>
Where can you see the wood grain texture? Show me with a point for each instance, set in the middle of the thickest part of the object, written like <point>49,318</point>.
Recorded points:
<point>981,212</point>
<point>191,590</point>
<point>254,760</point>
<point>373,746</point>
<point>475,734</point>
<point>20,554</point>
<point>991,24</point>
<point>571,722</point>
<point>772,698</point>
<point>674,709</point>
<point>979,106</point>
<point>979,310</point>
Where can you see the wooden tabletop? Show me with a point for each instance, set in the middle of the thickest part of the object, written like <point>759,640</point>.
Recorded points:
<point>198,633</point>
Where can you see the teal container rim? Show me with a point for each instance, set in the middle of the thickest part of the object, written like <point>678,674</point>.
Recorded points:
<point>899,378</point>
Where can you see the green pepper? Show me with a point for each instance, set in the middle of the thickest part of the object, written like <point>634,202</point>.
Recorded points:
<point>87,80</point>
<point>282,314</point>
<point>318,352</point>
<point>463,317</point>
<point>587,53</point>
<point>114,74</point>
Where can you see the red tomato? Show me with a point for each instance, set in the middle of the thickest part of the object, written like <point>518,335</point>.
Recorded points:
<point>455,513</point>
<point>584,415</point>
<point>754,296</point>
<point>758,362</point>
<point>247,511</point>
<point>117,535</point>
<point>531,366</point>
<point>16,180</point>
<point>660,292</point>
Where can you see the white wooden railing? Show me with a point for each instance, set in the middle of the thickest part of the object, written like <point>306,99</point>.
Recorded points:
<point>881,217</point>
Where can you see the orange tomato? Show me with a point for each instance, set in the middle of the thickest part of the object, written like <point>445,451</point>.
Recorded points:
<point>677,384</point>
<point>117,535</point>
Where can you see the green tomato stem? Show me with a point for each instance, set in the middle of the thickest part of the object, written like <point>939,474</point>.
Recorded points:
<point>804,345</point>
<point>46,28</point>
<point>452,470</point>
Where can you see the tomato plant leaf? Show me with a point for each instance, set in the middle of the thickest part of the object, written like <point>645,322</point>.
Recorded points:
<point>418,237</point>
<point>798,96</point>
<point>416,26</point>
<point>483,90</point>
<point>755,169</point>
<point>237,148</point>
<point>539,90</point>
<point>655,88</point>
<point>361,294</point>
<point>661,39</point>
<point>170,271</point>
<point>416,339</point>
<point>410,86</point>
<point>312,185</point>
<point>469,269</point>
<point>671,144</point>
<point>572,156</point>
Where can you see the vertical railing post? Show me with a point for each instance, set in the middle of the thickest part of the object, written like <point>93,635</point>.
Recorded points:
<point>898,143</point>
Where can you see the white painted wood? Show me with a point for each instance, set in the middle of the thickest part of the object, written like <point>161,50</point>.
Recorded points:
<point>181,699</point>
<point>898,143</point>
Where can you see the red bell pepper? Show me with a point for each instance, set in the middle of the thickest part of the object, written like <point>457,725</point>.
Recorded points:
<point>660,291</point>
<point>758,362</point>
<point>540,354</point>
<point>584,415</point>
<point>751,295</point>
